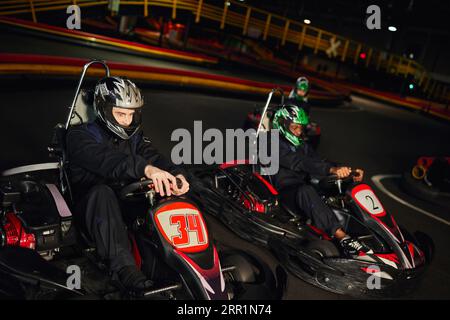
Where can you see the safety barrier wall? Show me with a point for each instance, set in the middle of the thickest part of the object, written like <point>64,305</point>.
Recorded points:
<point>58,66</point>
<point>242,16</point>
<point>426,107</point>
<point>138,48</point>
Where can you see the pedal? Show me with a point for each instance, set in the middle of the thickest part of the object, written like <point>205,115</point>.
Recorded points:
<point>163,289</point>
<point>156,292</point>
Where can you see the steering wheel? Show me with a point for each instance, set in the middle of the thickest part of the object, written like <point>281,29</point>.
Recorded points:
<point>332,179</point>
<point>139,188</point>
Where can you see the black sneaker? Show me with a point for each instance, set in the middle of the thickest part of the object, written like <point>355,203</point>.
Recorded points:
<point>352,247</point>
<point>133,279</point>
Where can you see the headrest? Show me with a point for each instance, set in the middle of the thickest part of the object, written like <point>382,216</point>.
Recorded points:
<point>84,110</point>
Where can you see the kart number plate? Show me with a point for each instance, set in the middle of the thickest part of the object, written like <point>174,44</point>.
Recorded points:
<point>367,199</point>
<point>183,227</point>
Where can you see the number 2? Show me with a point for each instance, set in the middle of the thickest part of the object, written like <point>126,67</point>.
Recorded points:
<point>373,203</point>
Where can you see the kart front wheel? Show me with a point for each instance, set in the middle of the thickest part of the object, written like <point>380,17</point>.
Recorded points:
<point>250,278</point>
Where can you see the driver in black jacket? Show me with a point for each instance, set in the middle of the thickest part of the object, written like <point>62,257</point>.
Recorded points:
<point>299,95</point>
<point>298,161</point>
<point>109,151</point>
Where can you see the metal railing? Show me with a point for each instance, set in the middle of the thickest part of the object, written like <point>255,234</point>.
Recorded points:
<point>242,16</point>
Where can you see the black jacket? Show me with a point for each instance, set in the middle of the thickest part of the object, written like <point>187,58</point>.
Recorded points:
<point>299,163</point>
<point>301,104</point>
<point>96,156</point>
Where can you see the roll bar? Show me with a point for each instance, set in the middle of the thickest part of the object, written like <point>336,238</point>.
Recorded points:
<point>269,98</point>
<point>83,73</point>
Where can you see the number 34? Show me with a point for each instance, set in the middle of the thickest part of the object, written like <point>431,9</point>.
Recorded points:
<point>187,223</point>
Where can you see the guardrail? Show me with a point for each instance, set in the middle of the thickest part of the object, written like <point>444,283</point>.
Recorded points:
<point>63,66</point>
<point>133,47</point>
<point>242,16</point>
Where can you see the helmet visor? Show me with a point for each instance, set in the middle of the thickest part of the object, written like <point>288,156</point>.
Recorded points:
<point>116,117</point>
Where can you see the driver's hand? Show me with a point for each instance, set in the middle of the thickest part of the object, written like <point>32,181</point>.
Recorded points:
<point>341,172</point>
<point>359,175</point>
<point>184,187</point>
<point>162,180</point>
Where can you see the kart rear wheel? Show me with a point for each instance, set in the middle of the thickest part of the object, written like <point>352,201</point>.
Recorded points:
<point>323,249</point>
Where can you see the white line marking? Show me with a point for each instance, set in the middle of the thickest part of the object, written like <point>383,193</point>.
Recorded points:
<point>377,181</point>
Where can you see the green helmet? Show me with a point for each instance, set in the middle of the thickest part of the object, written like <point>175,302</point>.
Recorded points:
<point>302,83</point>
<point>286,115</point>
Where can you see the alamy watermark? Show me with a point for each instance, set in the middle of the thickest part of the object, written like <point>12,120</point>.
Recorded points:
<point>373,282</point>
<point>74,279</point>
<point>74,20</point>
<point>235,144</point>
<point>373,17</point>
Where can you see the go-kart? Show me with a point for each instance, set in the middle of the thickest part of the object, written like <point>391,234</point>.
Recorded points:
<point>44,254</point>
<point>253,120</point>
<point>246,202</point>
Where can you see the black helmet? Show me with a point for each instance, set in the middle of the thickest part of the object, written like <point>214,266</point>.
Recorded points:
<point>121,93</point>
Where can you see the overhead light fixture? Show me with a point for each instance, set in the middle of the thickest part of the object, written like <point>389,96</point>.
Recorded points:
<point>228,3</point>
<point>392,28</point>
<point>307,21</point>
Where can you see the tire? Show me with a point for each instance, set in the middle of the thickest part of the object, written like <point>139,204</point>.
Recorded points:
<point>419,190</point>
<point>323,248</point>
<point>245,271</point>
<point>426,244</point>
<point>252,279</point>
<point>422,240</point>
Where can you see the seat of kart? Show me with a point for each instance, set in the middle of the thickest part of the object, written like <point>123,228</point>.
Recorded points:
<point>84,108</point>
<point>266,125</point>
<point>83,113</point>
